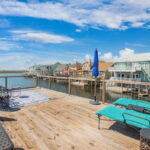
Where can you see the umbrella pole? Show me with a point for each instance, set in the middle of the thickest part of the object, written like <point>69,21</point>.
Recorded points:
<point>95,90</point>
<point>95,102</point>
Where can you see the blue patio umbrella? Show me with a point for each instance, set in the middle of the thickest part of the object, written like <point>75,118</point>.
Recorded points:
<point>95,73</point>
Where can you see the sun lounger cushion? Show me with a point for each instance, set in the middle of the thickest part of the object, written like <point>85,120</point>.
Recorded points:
<point>130,117</point>
<point>136,108</point>
<point>125,102</point>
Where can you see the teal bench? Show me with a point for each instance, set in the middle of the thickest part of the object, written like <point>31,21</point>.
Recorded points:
<point>130,117</point>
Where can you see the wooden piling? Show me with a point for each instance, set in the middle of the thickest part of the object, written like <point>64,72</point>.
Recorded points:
<point>69,86</point>
<point>104,91</point>
<point>121,89</point>
<point>37,81</point>
<point>49,83</point>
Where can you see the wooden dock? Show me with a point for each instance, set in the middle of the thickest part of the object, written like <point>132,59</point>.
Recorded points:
<point>118,89</point>
<point>66,122</point>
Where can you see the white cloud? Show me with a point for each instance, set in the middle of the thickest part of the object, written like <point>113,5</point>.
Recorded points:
<point>137,24</point>
<point>40,36</point>
<point>126,52</point>
<point>88,57</point>
<point>107,56</point>
<point>6,46</point>
<point>78,30</point>
<point>94,13</point>
<point>121,53</point>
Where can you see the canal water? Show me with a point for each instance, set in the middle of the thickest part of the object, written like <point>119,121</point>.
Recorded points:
<point>87,91</point>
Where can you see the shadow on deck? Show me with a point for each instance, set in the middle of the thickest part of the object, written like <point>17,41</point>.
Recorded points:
<point>125,130</point>
<point>7,119</point>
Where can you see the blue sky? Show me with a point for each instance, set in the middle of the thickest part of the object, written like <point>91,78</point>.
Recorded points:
<point>47,31</point>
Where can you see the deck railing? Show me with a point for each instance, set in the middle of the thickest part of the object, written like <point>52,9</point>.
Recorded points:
<point>6,81</point>
<point>70,79</point>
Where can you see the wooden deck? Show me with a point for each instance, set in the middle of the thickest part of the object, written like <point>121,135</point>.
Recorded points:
<point>66,123</point>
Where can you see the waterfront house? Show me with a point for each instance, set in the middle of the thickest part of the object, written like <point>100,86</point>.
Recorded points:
<point>86,68</point>
<point>54,69</point>
<point>103,68</point>
<point>75,69</point>
<point>60,70</point>
<point>40,70</point>
<point>132,68</point>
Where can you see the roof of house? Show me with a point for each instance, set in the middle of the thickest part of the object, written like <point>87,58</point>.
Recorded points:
<point>103,66</point>
<point>134,58</point>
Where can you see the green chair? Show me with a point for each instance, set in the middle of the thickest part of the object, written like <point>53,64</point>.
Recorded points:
<point>130,117</point>
<point>125,102</point>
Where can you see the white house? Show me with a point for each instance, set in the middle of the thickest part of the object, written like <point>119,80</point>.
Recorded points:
<point>135,67</point>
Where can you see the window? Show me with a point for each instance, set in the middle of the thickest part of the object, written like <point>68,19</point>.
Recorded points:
<point>137,76</point>
<point>112,74</point>
<point>122,75</point>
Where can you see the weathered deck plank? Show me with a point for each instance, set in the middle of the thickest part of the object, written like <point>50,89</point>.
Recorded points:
<point>64,123</point>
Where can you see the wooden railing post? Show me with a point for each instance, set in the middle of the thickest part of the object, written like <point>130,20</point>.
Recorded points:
<point>49,83</point>
<point>69,86</point>
<point>104,92</point>
<point>6,82</point>
<point>36,81</point>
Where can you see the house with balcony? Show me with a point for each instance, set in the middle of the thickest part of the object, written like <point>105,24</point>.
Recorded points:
<point>135,67</point>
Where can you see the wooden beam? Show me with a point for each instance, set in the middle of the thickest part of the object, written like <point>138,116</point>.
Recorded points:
<point>128,82</point>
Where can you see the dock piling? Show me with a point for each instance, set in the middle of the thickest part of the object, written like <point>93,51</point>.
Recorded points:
<point>69,86</point>
<point>36,81</point>
<point>104,92</point>
<point>49,83</point>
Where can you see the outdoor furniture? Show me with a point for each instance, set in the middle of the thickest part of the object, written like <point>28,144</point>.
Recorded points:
<point>4,96</point>
<point>125,102</point>
<point>15,90</point>
<point>130,117</point>
<point>5,142</point>
<point>145,139</point>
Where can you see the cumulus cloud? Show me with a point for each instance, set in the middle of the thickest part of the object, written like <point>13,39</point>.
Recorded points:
<point>121,53</point>
<point>88,57</point>
<point>126,52</point>
<point>115,14</point>
<point>40,36</point>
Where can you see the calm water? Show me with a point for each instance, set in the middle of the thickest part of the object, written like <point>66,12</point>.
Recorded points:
<point>87,91</point>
